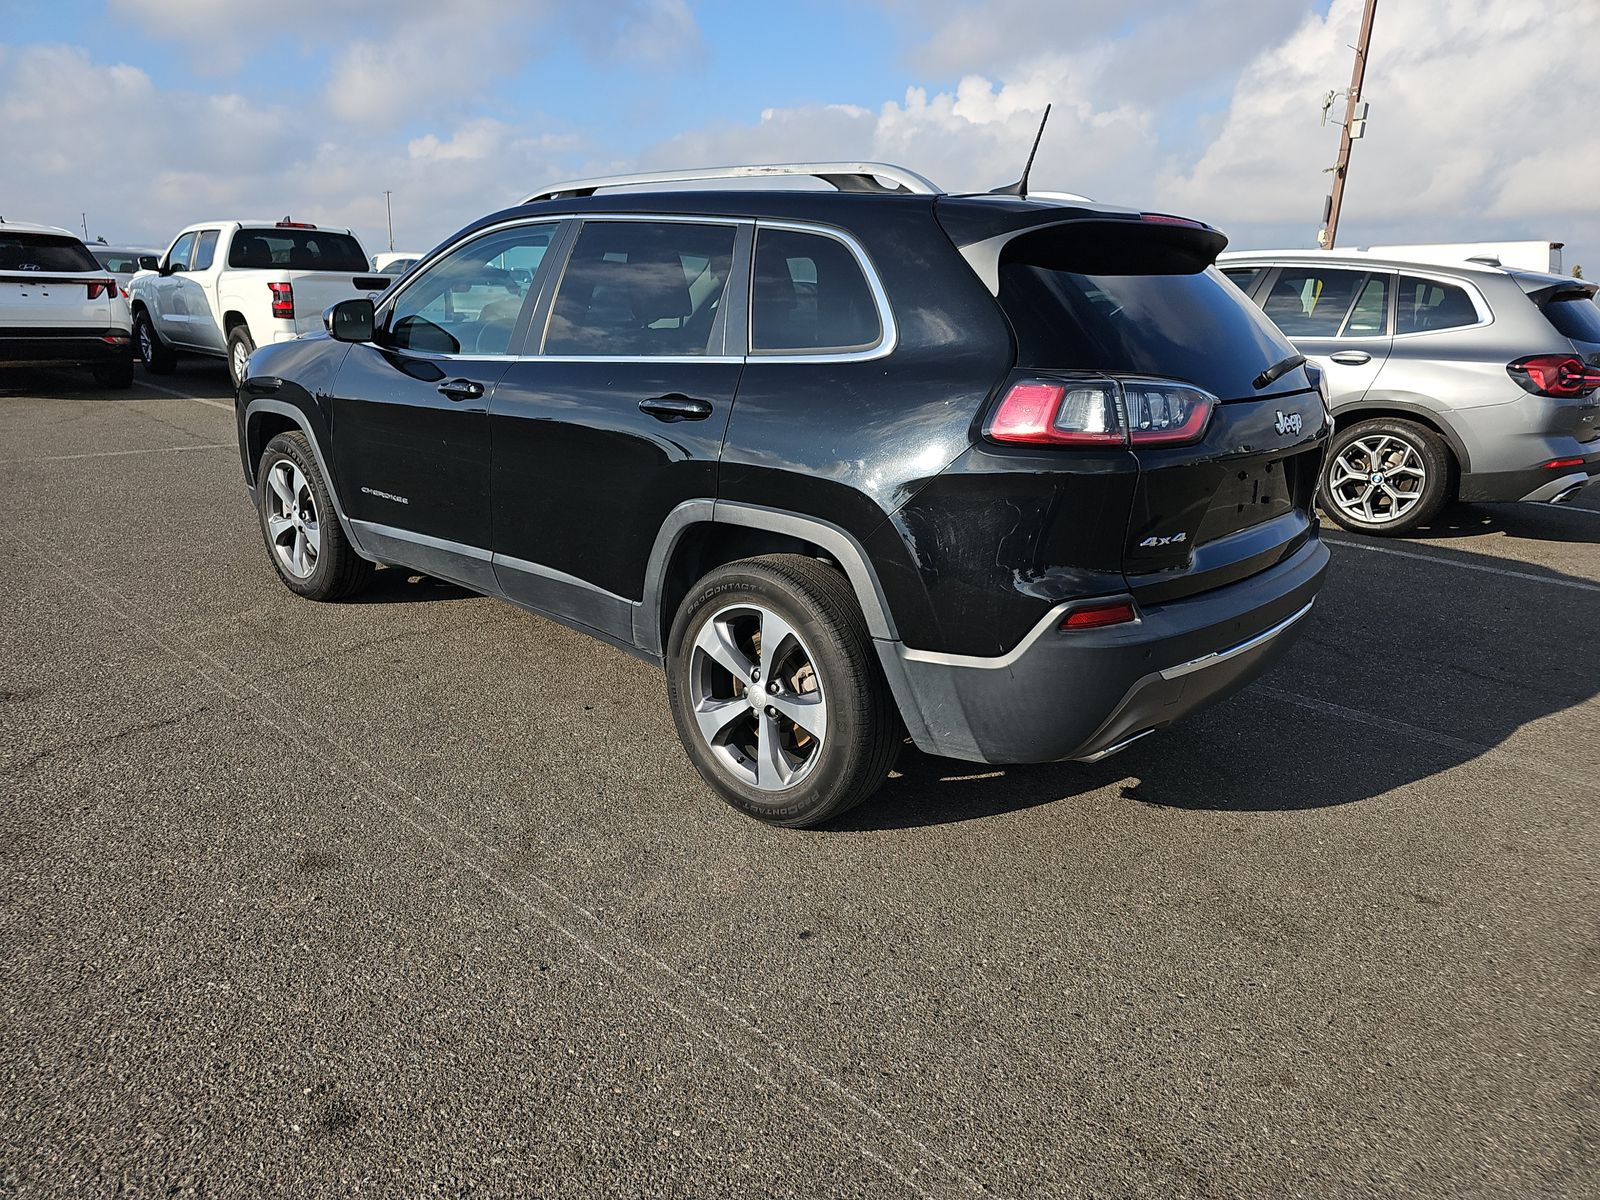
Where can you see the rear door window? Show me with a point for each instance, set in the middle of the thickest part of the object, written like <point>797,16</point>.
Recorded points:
<point>205,250</point>
<point>809,296</point>
<point>641,289</point>
<point>1312,302</point>
<point>1369,316</point>
<point>1427,305</point>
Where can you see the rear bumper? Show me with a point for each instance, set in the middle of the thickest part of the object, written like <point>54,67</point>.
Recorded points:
<point>50,347</point>
<point>1088,693</point>
<point>1536,484</point>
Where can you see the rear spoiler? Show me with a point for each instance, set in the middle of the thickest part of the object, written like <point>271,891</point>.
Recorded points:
<point>1541,290</point>
<point>1099,244</point>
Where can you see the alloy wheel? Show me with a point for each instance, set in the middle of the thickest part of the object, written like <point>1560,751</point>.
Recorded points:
<point>292,525</point>
<point>757,696</point>
<point>1377,479</point>
<point>241,362</point>
<point>147,350</point>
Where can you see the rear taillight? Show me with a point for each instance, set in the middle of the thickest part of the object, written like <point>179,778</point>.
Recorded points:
<point>1563,375</point>
<point>102,287</point>
<point>1097,616</point>
<point>282,300</point>
<point>1103,411</point>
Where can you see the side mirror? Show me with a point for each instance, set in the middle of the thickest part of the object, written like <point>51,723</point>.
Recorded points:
<point>350,320</point>
<point>164,268</point>
<point>149,262</point>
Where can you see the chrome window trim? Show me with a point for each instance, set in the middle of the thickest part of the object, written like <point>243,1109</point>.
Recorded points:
<point>889,332</point>
<point>1479,304</point>
<point>1433,271</point>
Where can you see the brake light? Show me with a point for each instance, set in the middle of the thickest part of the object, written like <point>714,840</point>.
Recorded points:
<point>1097,616</point>
<point>282,300</point>
<point>1103,411</point>
<point>102,287</point>
<point>1562,375</point>
<point>1165,219</point>
<point>288,224</point>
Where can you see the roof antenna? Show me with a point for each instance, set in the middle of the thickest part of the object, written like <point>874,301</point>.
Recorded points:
<point>1020,187</point>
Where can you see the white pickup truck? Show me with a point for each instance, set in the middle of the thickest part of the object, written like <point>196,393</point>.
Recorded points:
<point>225,287</point>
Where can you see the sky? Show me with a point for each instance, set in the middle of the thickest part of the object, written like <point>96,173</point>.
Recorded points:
<point>148,115</point>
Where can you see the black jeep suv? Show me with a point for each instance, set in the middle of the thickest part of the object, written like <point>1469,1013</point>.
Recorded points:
<point>1025,478</point>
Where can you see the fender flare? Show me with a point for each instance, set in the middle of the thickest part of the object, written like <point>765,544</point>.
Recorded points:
<point>261,404</point>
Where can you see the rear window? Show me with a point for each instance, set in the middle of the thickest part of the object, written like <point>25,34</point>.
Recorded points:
<point>118,262</point>
<point>1197,328</point>
<point>43,252</point>
<point>1575,316</point>
<point>296,250</point>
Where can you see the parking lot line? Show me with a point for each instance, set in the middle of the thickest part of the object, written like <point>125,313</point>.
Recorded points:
<point>603,946</point>
<point>119,453</point>
<point>176,395</point>
<point>1418,733</point>
<point>1579,584</point>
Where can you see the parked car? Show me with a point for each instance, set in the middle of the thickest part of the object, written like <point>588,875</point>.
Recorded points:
<point>1447,381</point>
<point>124,261</point>
<point>59,307</point>
<point>1026,479</point>
<point>225,287</point>
<point>395,262</point>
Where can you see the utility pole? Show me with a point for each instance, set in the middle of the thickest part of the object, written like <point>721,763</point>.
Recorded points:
<point>390,212</point>
<point>84,217</point>
<point>1341,169</point>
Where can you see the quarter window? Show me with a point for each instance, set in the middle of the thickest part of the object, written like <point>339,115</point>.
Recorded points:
<point>178,256</point>
<point>1312,302</point>
<point>468,301</point>
<point>809,296</point>
<point>205,250</point>
<point>641,289</point>
<point>1426,304</point>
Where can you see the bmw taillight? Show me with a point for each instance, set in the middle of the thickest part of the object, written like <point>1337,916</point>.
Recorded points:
<point>1562,375</point>
<point>282,300</point>
<point>1101,411</point>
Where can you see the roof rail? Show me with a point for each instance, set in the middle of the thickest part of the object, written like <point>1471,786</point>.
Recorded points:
<point>883,178</point>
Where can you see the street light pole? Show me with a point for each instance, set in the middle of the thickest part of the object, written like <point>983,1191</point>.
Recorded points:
<point>390,213</point>
<point>1341,169</point>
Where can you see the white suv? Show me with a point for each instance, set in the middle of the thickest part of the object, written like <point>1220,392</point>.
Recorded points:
<point>58,307</point>
<point>225,287</point>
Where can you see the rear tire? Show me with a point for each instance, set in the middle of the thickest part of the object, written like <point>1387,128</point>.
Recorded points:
<point>115,375</point>
<point>305,542</point>
<point>156,355</point>
<point>797,620</point>
<point>1386,477</point>
<point>240,347</point>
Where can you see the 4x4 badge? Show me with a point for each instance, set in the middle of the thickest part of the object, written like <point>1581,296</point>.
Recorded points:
<point>1288,422</point>
<point>1170,540</point>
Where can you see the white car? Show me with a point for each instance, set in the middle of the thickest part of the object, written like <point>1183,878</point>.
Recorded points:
<point>58,306</point>
<point>395,262</point>
<point>225,287</point>
<point>124,261</point>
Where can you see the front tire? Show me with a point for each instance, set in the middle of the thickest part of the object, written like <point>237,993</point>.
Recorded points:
<point>240,347</point>
<point>1385,477</point>
<point>776,694</point>
<point>305,542</point>
<point>156,355</point>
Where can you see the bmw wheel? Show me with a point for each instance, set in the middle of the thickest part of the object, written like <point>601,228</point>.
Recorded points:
<point>775,691</point>
<point>1386,477</point>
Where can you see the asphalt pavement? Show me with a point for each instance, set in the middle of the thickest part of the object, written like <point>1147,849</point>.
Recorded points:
<point>418,895</point>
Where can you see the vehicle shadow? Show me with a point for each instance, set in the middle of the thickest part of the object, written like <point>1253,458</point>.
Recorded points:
<point>1405,671</point>
<point>402,585</point>
<point>1539,522</point>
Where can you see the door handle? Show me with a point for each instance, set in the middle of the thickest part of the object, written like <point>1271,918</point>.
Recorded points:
<point>1351,358</point>
<point>461,389</point>
<point>676,407</point>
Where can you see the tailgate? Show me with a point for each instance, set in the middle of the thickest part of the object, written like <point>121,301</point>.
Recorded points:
<point>65,302</point>
<point>316,290</point>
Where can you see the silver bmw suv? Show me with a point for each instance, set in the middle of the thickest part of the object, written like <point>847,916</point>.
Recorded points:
<point>1447,382</point>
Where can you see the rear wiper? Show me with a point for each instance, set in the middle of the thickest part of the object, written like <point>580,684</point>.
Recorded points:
<point>1279,370</point>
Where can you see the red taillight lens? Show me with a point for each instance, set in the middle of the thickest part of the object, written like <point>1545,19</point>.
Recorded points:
<point>282,300</point>
<point>1168,219</point>
<point>1563,375</point>
<point>1101,412</point>
<point>102,287</point>
<point>1557,464</point>
<point>1119,612</point>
